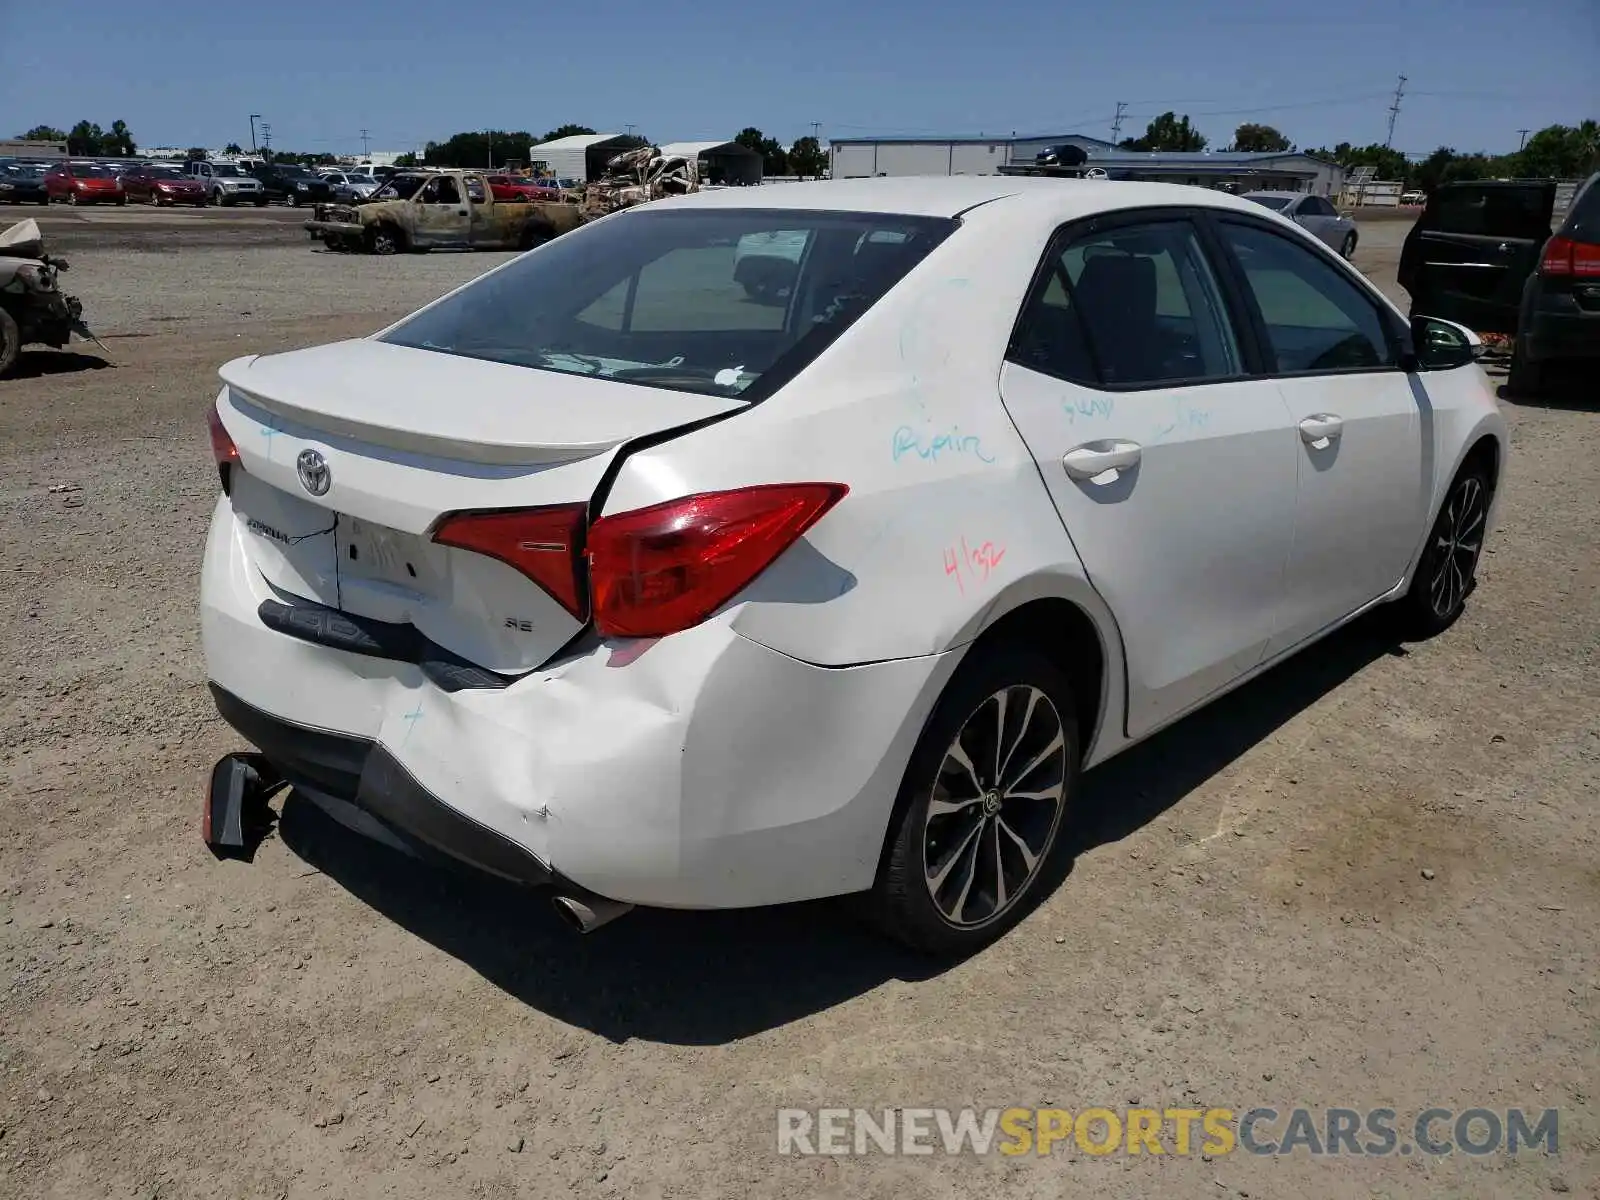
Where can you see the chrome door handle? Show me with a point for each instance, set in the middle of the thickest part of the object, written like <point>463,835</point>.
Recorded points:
<point>1321,429</point>
<point>1096,458</point>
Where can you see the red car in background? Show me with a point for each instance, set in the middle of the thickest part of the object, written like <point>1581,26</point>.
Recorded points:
<point>158,183</point>
<point>519,187</point>
<point>84,183</point>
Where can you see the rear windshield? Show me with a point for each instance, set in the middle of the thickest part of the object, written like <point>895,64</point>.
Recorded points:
<point>1491,211</point>
<point>1583,221</point>
<point>726,301</point>
<point>1274,202</point>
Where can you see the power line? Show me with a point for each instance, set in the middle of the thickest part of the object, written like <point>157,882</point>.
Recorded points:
<point>364,151</point>
<point>1394,111</point>
<point>1116,121</point>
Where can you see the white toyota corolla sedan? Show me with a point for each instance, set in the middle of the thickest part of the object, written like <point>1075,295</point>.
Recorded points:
<point>610,573</point>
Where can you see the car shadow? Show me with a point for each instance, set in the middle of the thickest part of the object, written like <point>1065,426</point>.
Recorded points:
<point>708,978</point>
<point>1138,786</point>
<point>35,364</point>
<point>1569,390</point>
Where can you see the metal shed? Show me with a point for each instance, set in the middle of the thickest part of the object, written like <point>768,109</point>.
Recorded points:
<point>720,162</point>
<point>581,156</point>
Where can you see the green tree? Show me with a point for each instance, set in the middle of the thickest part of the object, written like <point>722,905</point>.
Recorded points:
<point>1168,132</point>
<point>561,131</point>
<point>477,148</point>
<point>406,160</point>
<point>806,157</point>
<point>85,138</point>
<point>233,148</point>
<point>1557,152</point>
<point>1258,138</point>
<point>195,154</point>
<point>45,133</point>
<point>1387,163</point>
<point>119,141</point>
<point>774,160</point>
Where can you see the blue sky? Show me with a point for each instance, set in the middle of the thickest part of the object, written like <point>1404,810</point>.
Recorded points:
<point>190,72</point>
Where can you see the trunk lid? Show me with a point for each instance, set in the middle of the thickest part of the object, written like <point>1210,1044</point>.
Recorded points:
<point>407,436</point>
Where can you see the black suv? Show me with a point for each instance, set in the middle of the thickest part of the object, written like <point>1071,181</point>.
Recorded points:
<point>1559,320</point>
<point>293,183</point>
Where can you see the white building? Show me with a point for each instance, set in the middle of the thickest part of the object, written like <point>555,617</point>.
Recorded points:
<point>858,158</point>
<point>862,157</point>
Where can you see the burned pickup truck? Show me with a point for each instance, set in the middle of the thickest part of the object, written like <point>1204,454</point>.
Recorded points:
<point>422,210</point>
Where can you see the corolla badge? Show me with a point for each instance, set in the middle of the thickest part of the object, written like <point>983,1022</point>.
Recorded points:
<point>315,474</point>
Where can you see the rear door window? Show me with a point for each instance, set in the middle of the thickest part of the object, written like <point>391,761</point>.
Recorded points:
<point>1130,306</point>
<point>1490,210</point>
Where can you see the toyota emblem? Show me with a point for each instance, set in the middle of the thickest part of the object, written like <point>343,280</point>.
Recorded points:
<point>315,474</point>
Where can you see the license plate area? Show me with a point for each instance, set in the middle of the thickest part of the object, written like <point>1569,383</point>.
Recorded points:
<point>384,572</point>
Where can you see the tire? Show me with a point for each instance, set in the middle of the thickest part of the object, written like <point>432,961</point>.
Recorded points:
<point>10,343</point>
<point>122,201</point>
<point>1446,573</point>
<point>294,199</point>
<point>261,203</point>
<point>155,199</point>
<point>72,199</point>
<point>957,907</point>
<point>385,239</point>
<point>45,201</point>
<point>534,236</point>
<point>1526,376</point>
<point>1348,250</point>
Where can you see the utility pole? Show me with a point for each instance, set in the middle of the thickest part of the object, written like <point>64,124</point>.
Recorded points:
<point>628,130</point>
<point>365,153</point>
<point>1116,122</point>
<point>1394,111</point>
<point>816,132</point>
<point>254,117</point>
<point>266,137</point>
<point>1522,137</point>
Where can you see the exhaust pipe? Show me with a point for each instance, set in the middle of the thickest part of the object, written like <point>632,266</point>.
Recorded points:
<point>586,912</point>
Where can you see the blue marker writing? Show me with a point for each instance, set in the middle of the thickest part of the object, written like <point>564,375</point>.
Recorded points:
<point>907,439</point>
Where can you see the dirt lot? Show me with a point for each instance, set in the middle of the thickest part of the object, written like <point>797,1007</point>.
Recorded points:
<point>1371,878</point>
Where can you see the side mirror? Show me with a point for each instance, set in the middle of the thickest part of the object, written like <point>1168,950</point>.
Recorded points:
<point>1440,345</point>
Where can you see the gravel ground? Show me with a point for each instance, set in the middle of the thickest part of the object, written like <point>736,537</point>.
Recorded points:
<point>1367,879</point>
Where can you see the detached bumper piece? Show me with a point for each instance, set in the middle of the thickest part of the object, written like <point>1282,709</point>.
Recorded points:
<point>362,773</point>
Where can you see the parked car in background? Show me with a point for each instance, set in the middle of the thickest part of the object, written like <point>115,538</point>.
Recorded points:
<point>1473,248</point>
<point>1413,199</point>
<point>1314,214</point>
<point>1559,320</point>
<point>293,184</point>
<point>226,184</point>
<point>162,183</point>
<point>84,183</point>
<point>349,187</point>
<point>521,187</point>
<point>597,576</point>
<point>23,183</point>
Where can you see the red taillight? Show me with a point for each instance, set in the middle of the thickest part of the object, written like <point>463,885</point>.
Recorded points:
<point>658,570</point>
<point>222,447</point>
<point>1563,256</point>
<point>542,543</point>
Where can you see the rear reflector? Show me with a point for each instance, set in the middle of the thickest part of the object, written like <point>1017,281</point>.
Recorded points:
<point>1563,256</point>
<point>542,543</point>
<point>222,447</point>
<point>658,570</point>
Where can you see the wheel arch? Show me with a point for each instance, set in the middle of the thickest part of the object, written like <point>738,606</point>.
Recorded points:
<point>1486,447</point>
<point>1063,618</point>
